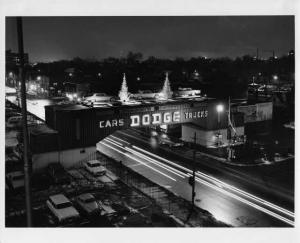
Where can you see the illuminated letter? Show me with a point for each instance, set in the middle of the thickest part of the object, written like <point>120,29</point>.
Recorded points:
<point>114,123</point>
<point>186,115</point>
<point>101,124</point>
<point>167,117</point>
<point>176,116</point>
<point>146,119</point>
<point>206,113</point>
<point>121,122</point>
<point>156,118</point>
<point>135,121</point>
<point>108,124</point>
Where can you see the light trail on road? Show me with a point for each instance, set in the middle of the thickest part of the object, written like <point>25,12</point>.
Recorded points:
<point>245,201</point>
<point>216,181</point>
<point>119,151</point>
<point>168,168</point>
<point>246,194</point>
<point>203,178</point>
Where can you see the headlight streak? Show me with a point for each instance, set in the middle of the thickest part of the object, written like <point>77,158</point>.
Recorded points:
<point>168,168</point>
<point>245,201</point>
<point>246,194</point>
<point>129,156</point>
<point>223,185</point>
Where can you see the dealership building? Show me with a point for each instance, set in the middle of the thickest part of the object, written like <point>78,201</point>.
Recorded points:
<point>71,132</point>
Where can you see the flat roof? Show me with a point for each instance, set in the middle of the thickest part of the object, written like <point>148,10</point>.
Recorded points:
<point>145,103</point>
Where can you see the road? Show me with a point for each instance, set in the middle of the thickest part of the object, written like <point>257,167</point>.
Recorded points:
<point>225,201</point>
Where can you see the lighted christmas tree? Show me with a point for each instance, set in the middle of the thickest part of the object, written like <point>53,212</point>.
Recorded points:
<point>123,93</point>
<point>166,92</point>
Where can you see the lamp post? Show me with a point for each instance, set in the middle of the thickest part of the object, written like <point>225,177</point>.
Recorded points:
<point>220,109</point>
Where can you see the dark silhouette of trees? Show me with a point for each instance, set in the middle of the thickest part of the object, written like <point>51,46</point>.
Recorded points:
<point>219,77</point>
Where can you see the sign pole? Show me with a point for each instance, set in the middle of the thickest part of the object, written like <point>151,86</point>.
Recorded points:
<point>194,172</point>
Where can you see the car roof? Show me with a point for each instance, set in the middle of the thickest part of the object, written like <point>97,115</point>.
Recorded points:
<point>85,196</point>
<point>59,198</point>
<point>94,161</point>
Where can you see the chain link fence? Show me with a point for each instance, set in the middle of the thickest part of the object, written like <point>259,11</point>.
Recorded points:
<point>172,204</point>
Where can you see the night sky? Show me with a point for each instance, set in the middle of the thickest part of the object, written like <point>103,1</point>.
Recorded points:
<point>55,38</point>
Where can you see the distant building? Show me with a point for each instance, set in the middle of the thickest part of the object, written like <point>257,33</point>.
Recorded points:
<point>38,84</point>
<point>81,89</point>
<point>13,59</point>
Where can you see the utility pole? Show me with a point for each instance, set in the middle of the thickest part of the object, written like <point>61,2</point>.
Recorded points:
<point>192,179</point>
<point>26,156</point>
<point>194,172</point>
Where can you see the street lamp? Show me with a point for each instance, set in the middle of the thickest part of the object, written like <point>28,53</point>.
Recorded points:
<point>38,78</point>
<point>220,109</point>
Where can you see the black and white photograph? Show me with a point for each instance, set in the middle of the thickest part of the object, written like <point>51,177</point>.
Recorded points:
<point>149,121</point>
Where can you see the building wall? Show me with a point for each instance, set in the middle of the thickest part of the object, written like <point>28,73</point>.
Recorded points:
<point>67,158</point>
<point>258,112</point>
<point>208,138</point>
<point>240,131</point>
<point>203,137</point>
<point>82,126</point>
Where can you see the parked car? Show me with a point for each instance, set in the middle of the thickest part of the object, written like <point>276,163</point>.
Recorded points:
<point>99,97</point>
<point>120,208</point>
<point>15,179</point>
<point>9,114</point>
<point>16,122</point>
<point>62,208</point>
<point>95,167</point>
<point>106,208</point>
<point>144,94</point>
<point>177,145</point>
<point>87,203</point>
<point>13,152</point>
<point>58,174</point>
